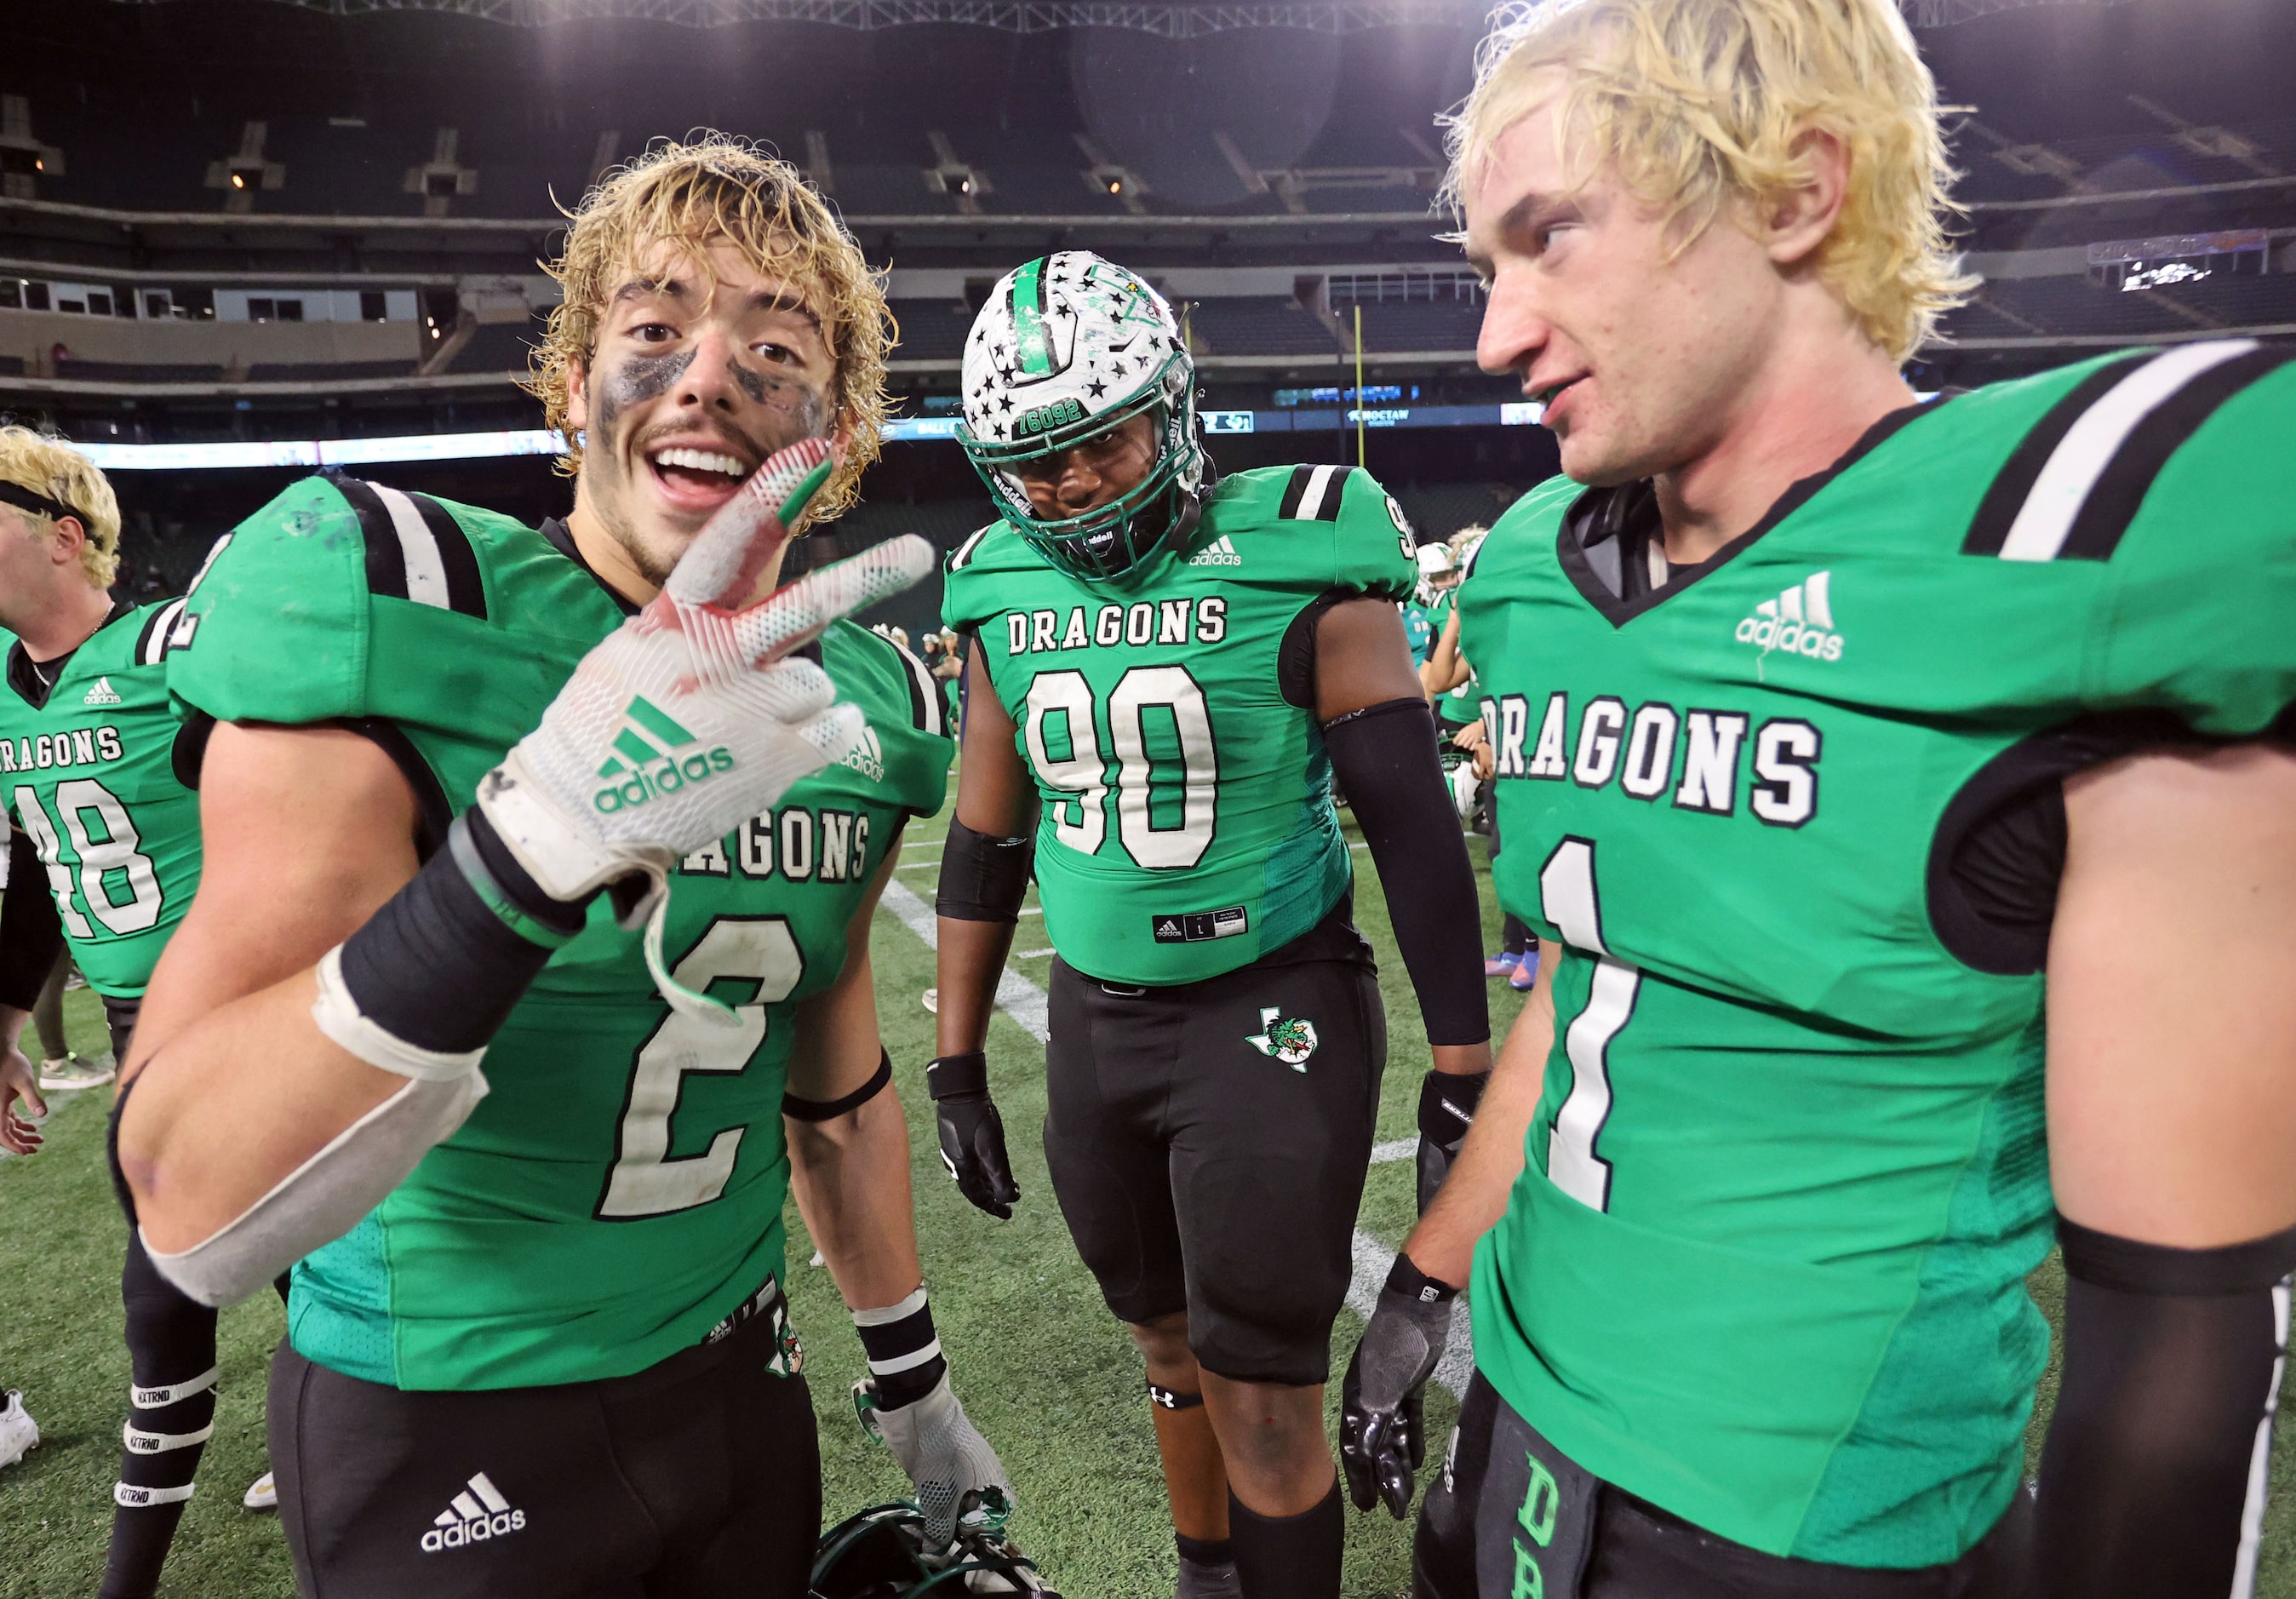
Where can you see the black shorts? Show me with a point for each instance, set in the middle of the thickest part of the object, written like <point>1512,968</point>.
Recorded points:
<point>119,1018</point>
<point>698,1477</point>
<point>1198,1169</point>
<point>1510,1509</point>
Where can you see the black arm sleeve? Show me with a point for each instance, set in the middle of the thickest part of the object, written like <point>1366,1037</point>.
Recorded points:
<point>983,877</point>
<point>2163,1428</point>
<point>30,934</point>
<point>1386,761</point>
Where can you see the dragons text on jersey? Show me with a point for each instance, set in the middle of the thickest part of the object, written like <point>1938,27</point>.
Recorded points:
<point>620,1191</point>
<point>87,767</point>
<point>1764,1266</point>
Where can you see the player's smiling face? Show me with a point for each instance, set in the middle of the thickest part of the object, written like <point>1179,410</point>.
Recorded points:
<point>1637,344</point>
<point>696,378</point>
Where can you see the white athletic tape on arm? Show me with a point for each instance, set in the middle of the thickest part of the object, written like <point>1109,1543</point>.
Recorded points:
<point>339,1017</point>
<point>327,1195</point>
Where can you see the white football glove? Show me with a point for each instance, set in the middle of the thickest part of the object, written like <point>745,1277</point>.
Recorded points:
<point>950,1463</point>
<point>687,720</point>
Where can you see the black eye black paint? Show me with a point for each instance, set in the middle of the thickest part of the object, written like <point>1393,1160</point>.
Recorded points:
<point>639,379</point>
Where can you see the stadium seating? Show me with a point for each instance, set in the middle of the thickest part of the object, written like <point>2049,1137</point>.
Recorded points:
<point>1257,326</point>
<point>138,372</point>
<point>932,330</point>
<point>497,347</point>
<point>322,372</point>
<point>1440,324</point>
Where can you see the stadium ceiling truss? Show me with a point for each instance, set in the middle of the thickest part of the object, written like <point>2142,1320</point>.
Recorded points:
<point>1173,21</point>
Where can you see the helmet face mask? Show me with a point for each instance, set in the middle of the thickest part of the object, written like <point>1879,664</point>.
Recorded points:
<point>1067,348</point>
<point>882,1553</point>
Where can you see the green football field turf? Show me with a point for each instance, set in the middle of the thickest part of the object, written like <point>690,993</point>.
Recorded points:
<point>1050,1378</point>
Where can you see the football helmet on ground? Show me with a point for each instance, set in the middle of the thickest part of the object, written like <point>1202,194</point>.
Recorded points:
<point>1068,346</point>
<point>883,1553</point>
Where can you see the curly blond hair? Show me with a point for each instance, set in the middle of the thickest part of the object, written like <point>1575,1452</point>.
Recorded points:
<point>689,195</point>
<point>1697,104</point>
<point>53,470</point>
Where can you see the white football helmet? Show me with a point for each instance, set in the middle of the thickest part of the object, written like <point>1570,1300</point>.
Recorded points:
<point>1067,347</point>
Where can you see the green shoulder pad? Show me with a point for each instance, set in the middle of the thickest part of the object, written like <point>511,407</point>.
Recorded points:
<point>1523,527</point>
<point>275,626</point>
<point>2194,519</point>
<point>907,716</point>
<point>968,596</point>
<point>1373,551</point>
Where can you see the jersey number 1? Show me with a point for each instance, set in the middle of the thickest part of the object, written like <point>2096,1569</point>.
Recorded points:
<point>645,1180</point>
<point>1569,898</point>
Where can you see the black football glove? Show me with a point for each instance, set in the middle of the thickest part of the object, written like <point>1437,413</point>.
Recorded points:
<point>1447,1110</point>
<point>971,1133</point>
<point>1383,1427</point>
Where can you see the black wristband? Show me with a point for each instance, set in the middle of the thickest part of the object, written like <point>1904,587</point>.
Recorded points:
<point>983,877</point>
<point>904,1351</point>
<point>829,1110</point>
<point>1448,1102</point>
<point>950,1076</point>
<point>1407,1279</point>
<point>438,966</point>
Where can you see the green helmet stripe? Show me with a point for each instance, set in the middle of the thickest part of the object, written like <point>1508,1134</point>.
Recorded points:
<point>1029,319</point>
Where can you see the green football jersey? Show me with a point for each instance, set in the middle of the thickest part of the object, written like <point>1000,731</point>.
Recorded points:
<point>620,1189</point>
<point>1187,826</point>
<point>1764,1266</point>
<point>90,777</point>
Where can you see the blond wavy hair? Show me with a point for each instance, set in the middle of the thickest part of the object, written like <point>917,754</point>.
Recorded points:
<point>689,195</point>
<point>1696,105</point>
<point>52,469</point>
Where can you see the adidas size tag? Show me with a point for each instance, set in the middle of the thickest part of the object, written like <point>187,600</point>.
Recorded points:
<point>1196,926</point>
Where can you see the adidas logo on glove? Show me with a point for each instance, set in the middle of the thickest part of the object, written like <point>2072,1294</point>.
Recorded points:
<point>651,764</point>
<point>474,1515</point>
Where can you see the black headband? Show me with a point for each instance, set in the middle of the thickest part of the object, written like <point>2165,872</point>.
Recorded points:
<point>24,499</point>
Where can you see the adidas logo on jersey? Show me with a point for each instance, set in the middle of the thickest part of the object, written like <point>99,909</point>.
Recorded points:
<point>648,763</point>
<point>1220,551</point>
<point>103,694</point>
<point>1799,621</point>
<point>477,1513</point>
<point>869,759</point>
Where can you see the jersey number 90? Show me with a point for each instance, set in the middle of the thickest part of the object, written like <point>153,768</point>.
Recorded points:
<point>1061,704</point>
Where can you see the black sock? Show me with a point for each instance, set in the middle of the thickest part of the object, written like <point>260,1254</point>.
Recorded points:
<point>1205,1551</point>
<point>1287,1557</point>
<point>171,1347</point>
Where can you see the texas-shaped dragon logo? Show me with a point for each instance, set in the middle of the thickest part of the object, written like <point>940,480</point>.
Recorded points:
<point>1291,1039</point>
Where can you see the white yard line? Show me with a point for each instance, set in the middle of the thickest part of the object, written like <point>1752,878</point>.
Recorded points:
<point>1025,1002</point>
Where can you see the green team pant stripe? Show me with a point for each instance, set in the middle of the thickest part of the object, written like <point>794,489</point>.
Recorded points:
<point>1029,319</point>
<point>657,722</point>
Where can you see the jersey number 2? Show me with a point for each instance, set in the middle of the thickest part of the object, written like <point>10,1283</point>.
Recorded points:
<point>645,1180</point>
<point>1084,771</point>
<point>1569,898</point>
<point>117,851</point>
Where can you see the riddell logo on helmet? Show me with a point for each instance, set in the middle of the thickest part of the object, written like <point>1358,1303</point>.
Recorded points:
<point>1800,621</point>
<point>644,770</point>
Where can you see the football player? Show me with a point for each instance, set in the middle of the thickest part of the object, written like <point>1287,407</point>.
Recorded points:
<point>538,1345</point>
<point>87,766</point>
<point>1167,672</point>
<point>1908,786</point>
